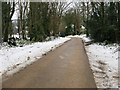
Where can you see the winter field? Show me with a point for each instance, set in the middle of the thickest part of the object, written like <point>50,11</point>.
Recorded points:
<point>16,58</point>
<point>104,63</point>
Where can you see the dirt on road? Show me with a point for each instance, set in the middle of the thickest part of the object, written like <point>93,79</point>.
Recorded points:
<point>65,67</point>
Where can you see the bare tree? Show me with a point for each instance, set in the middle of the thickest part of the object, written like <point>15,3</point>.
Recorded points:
<point>23,6</point>
<point>57,11</point>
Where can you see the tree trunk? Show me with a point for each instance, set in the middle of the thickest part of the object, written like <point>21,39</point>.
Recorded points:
<point>102,20</point>
<point>0,22</point>
<point>83,11</point>
<point>87,32</point>
<point>8,20</point>
<point>18,24</point>
<point>6,32</point>
<point>118,34</point>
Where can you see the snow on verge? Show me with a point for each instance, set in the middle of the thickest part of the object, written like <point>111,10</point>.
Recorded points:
<point>14,59</point>
<point>104,64</point>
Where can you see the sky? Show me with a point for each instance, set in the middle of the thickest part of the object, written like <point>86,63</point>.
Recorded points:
<point>14,16</point>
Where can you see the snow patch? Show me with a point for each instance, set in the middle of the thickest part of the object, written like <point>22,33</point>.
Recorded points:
<point>104,63</point>
<point>14,59</point>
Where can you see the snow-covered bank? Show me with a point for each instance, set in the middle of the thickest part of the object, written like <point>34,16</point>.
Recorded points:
<point>14,59</point>
<point>104,64</point>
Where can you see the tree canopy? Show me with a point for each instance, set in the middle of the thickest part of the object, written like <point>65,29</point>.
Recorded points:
<point>39,20</point>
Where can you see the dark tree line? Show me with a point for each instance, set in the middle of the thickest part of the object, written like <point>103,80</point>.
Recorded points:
<point>7,13</point>
<point>39,20</point>
<point>44,19</point>
<point>103,22</point>
<point>36,20</point>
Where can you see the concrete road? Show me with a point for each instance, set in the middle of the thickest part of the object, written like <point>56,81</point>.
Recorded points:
<point>65,67</point>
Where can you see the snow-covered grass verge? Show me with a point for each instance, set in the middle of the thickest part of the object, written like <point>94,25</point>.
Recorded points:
<point>16,58</point>
<point>104,63</point>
